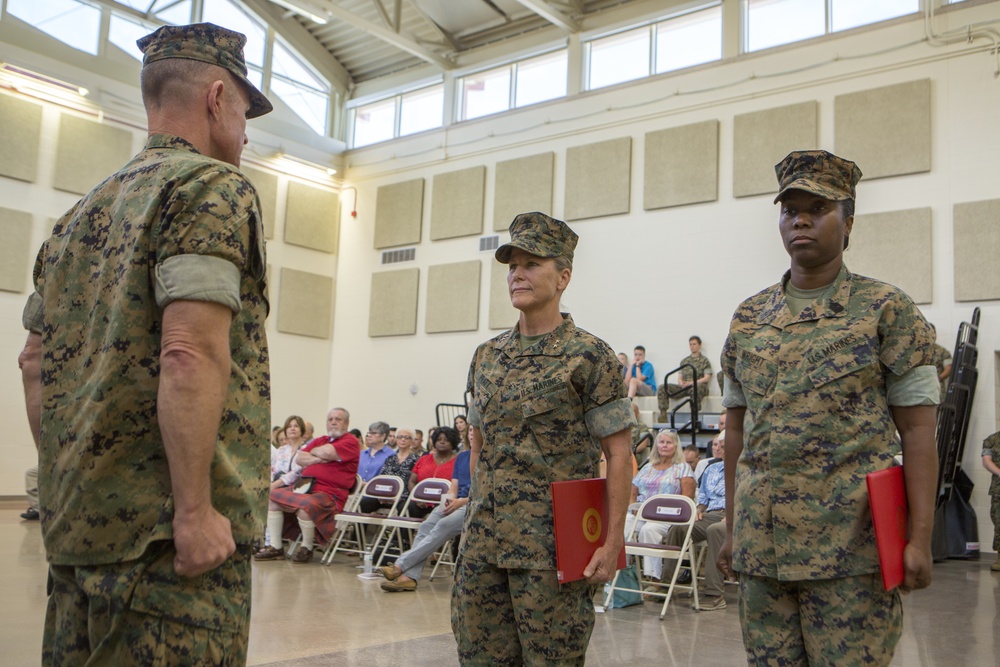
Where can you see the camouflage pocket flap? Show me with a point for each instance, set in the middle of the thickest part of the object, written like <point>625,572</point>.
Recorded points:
<point>758,378</point>
<point>540,404</point>
<point>842,364</point>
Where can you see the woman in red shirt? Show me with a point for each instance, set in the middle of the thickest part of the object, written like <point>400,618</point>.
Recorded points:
<point>438,463</point>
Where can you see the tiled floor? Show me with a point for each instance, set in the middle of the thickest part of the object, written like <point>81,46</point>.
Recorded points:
<point>316,615</point>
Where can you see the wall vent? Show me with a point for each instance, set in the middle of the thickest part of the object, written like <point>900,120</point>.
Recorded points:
<point>401,255</point>
<point>489,243</point>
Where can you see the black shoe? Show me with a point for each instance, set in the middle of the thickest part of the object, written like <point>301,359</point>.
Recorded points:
<point>30,515</point>
<point>684,577</point>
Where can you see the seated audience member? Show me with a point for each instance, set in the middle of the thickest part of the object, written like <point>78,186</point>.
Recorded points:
<point>703,368</point>
<point>692,456</point>
<point>418,436</point>
<point>392,437</point>
<point>291,438</point>
<point>718,447</point>
<point>332,464</point>
<point>356,433</point>
<point>309,433</point>
<point>711,526</point>
<point>640,378</point>
<point>377,451</point>
<point>438,463</point>
<point>666,473</point>
<point>461,424</point>
<point>441,525</point>
<point>623,358</point>
<point>295,431</point>
<point>399,464</point>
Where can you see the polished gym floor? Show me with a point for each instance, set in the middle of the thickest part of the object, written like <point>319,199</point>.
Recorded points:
<point>317,615</point>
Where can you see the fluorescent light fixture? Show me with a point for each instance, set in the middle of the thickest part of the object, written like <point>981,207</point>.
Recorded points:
<point>296,166</point>
<point>305,9</point>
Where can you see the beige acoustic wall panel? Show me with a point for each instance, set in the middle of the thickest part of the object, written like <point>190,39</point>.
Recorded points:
<point>886,131</point>
<point>305,304</point>
<point>87,153</point>
<point>15,251</point>
<point>453,297</point>
<point>598,178</point>
<point>502,314</point>
<point>682,166</point>
<point>522,185</point>
<point>762,138</point>
<point>399,213</point>
<point>20,132</point>
<point>393,308</point>
<point>457,203</point>
<point>895,247</point>
<point>266,185</point>
<point>312,217</point>
<point>977,262</point>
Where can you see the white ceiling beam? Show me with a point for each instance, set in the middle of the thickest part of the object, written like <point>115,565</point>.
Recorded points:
<point>401,41</point>
<point>551,14</point>
<point>380,8</point>
<point>449,39</point>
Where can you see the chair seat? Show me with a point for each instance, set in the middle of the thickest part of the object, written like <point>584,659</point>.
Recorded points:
<point>651,546</point>
<point>403,521</point>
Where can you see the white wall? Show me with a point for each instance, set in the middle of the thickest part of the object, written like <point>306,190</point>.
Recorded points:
<point>629,284</point>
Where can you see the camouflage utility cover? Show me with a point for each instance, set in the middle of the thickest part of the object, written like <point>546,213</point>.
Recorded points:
<point>818,421</point>
<point>104,482</point>
<point>818,172</point>
<point>542,413</point>
<point>208,43</point>
<point>539,235</point>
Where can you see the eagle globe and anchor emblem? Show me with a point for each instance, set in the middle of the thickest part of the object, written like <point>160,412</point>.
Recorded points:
<point>592,525</point>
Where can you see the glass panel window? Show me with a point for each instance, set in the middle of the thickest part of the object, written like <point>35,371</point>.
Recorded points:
<point>124,32</point>
<point>228,14</point>
<point>73,23</point>
<point>485,93</point>
<point>179,14</point>
<point>774,22</point>
<point>688,40</point>
<point>309,105</point>
<point>287,65</point>
<point>421,110</point>
<point>852,13</point>
<point>374,122</point>
<point>618,58</point>
<point>542,78</point>
<point>256,77</point>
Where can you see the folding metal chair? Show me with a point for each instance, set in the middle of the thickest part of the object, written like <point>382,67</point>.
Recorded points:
<point>351,503</point>
<point>679,512</point>
<point>385,489</point>
<point>430,492</point>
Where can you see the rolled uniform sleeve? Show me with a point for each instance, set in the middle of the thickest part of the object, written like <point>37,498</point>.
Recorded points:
<point>207,240</point>
<point>918,386</point>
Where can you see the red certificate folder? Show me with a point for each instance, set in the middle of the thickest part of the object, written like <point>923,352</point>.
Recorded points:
<point>580,515</point>
<point>890,517</point>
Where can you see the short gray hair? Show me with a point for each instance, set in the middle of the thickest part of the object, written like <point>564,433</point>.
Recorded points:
<point>379,427</point>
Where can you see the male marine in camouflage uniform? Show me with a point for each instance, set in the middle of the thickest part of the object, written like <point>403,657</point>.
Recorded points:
<point>543,406</point>
<point>703,373</point>
<point>147,362</point>
<point>824,366</point>
<point>991,461</point>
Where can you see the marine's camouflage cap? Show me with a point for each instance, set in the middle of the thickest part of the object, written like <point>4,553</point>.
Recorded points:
<point>208,43</point>
<point>818,172</point>
<point>540,235</point>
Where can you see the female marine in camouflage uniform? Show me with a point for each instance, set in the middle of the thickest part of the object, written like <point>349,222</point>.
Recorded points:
<point>547,398</point>
<point>826,365</point>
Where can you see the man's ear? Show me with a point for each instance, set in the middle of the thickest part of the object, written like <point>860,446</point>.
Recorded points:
<point>215,98</point>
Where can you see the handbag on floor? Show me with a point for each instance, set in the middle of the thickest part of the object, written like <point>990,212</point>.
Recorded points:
<point>628,578</point>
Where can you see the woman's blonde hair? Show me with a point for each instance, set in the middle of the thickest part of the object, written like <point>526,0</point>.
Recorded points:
<point>654,454</point>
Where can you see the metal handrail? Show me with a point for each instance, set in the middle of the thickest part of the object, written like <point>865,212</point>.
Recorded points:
<point>693,400</point>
